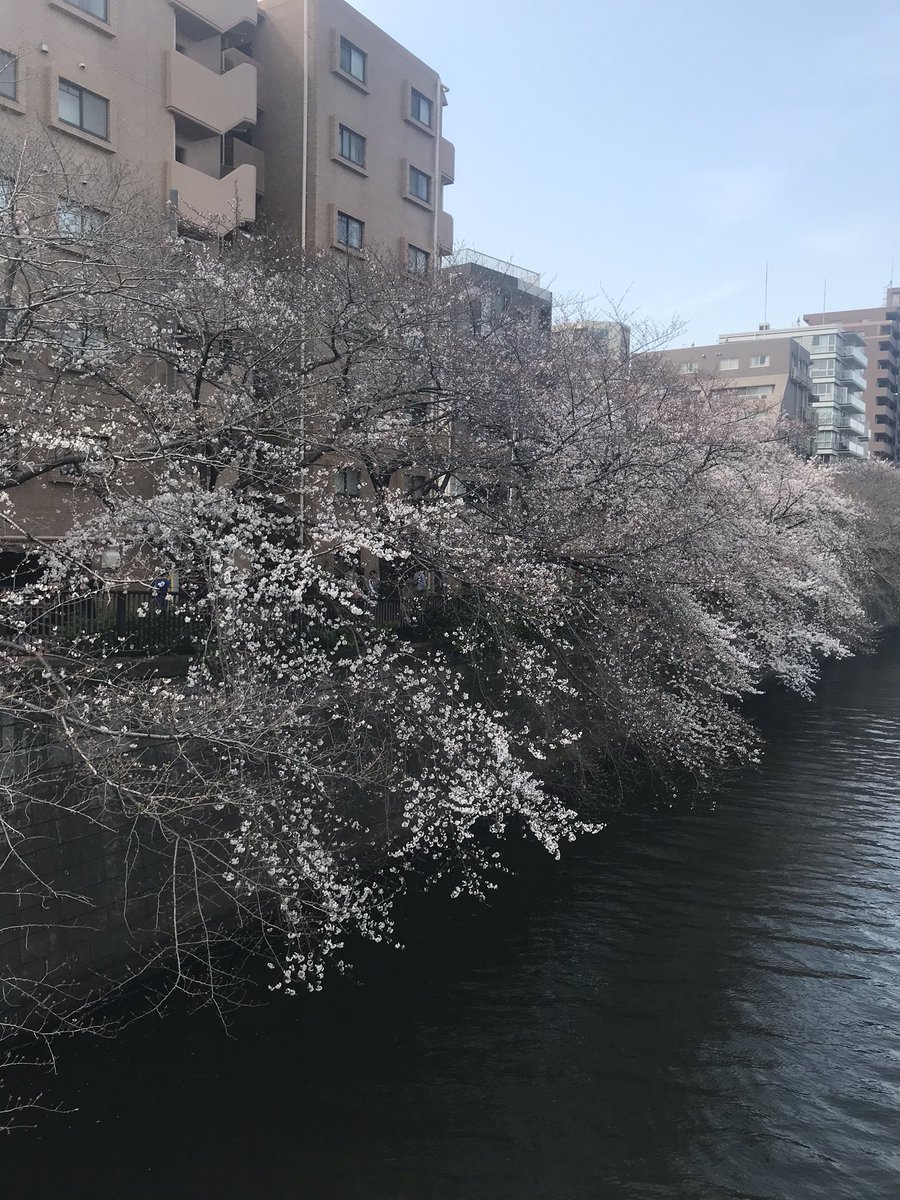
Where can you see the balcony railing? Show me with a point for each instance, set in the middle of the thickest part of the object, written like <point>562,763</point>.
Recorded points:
<point>232,57</point>
<point>445,233</point>
<point>852,379</point>
<point>447,158</point>
<point>856,354</point>
<point>214,206</point>
<point>215,102</point>
<point>239,153</point>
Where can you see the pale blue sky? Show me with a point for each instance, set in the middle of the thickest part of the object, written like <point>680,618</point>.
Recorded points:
<point>663,150</point>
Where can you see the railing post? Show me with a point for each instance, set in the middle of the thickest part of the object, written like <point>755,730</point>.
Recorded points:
<point>121,614</point>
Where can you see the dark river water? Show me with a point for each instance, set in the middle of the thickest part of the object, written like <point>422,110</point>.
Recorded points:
<point>701,1002</point>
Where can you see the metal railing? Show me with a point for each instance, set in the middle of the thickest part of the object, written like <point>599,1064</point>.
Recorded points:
<point>141,623</point>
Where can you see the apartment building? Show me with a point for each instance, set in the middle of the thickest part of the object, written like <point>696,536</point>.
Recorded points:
<point>152,87</point>
<point>837,382</point>
<point>772,373</point>
<point>814,377</point>
<point>217,103</point>
<point>355,152</point>
<point>880,331</point>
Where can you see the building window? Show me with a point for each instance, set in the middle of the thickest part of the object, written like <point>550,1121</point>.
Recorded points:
<point>353,60</point>
<point>421,108</point>
<point>759,360</point>
<point>349,231</point>
<point>420,185</point>
<point>352,146</point>
<point>415,486</point>
<point>346,482</point>
<point>78,221</point>
<point>9,75</point>
<point>417,260</point>
<point>96,8</point>
<point>689,368</point>
<point>729,364</point>
<point>823,341</point>
<point>83,109</point>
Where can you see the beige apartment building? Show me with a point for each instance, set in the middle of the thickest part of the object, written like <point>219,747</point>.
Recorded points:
<point>218,104</point>
<point>301,112</point>
<point>880,331</point>
<point>813,375</point>
<point>354,147</point>
<point>772,373</point>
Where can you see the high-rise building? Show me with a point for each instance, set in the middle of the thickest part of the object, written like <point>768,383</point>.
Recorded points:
<point>218,104</point>
<point>880,331</point>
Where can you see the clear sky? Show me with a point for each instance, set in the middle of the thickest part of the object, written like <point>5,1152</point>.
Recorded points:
<point>664,150</point>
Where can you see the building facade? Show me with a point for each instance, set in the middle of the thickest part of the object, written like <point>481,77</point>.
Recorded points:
<point>354,147</point>
<point>499,290</point>
<point>771,372</point>
<point>143,88</point>
<point>837,383</point>
<point>812,375</point>
<point>301,108</point>
<point>880,331</point>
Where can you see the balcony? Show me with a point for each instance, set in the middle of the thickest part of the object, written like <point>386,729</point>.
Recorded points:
<point>232,58</point>
<point>214,103</point>
<point>856,448</point>
<point>445,233</point>
<point>214,206</point>
<point>219,15</point>
<point>240,154</point>
<point>852,380</point>
<point>853,354</point>
<point>447,161</point>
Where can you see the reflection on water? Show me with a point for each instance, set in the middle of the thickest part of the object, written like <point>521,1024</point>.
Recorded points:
<point>694,1005</point>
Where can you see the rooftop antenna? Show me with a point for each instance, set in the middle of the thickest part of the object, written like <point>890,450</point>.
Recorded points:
<point>824,298</point>
<point>766,299</point>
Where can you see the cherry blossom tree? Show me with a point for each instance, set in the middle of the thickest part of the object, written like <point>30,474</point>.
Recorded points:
<point>418,575</point>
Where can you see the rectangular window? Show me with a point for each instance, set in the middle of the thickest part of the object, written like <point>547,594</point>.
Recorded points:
<point>96,8</point>
<point>415,486</point>
<point>759,360</point>
<point>417,260</point>
<point>77,221</point>
<point>353,60</point>
<point>349,231</point>
<point>823,341</point>
<point>83,109</point>
<point>419,185</point>
<point>9,75</point>
<point>729,364</point>
<point>78,339</point>
<point>421,108</point>
<point>352,146</point>
<point>689,368</point>
<point>346,482</point>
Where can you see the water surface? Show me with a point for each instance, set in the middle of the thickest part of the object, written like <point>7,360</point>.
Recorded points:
<point>699,1003</point>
